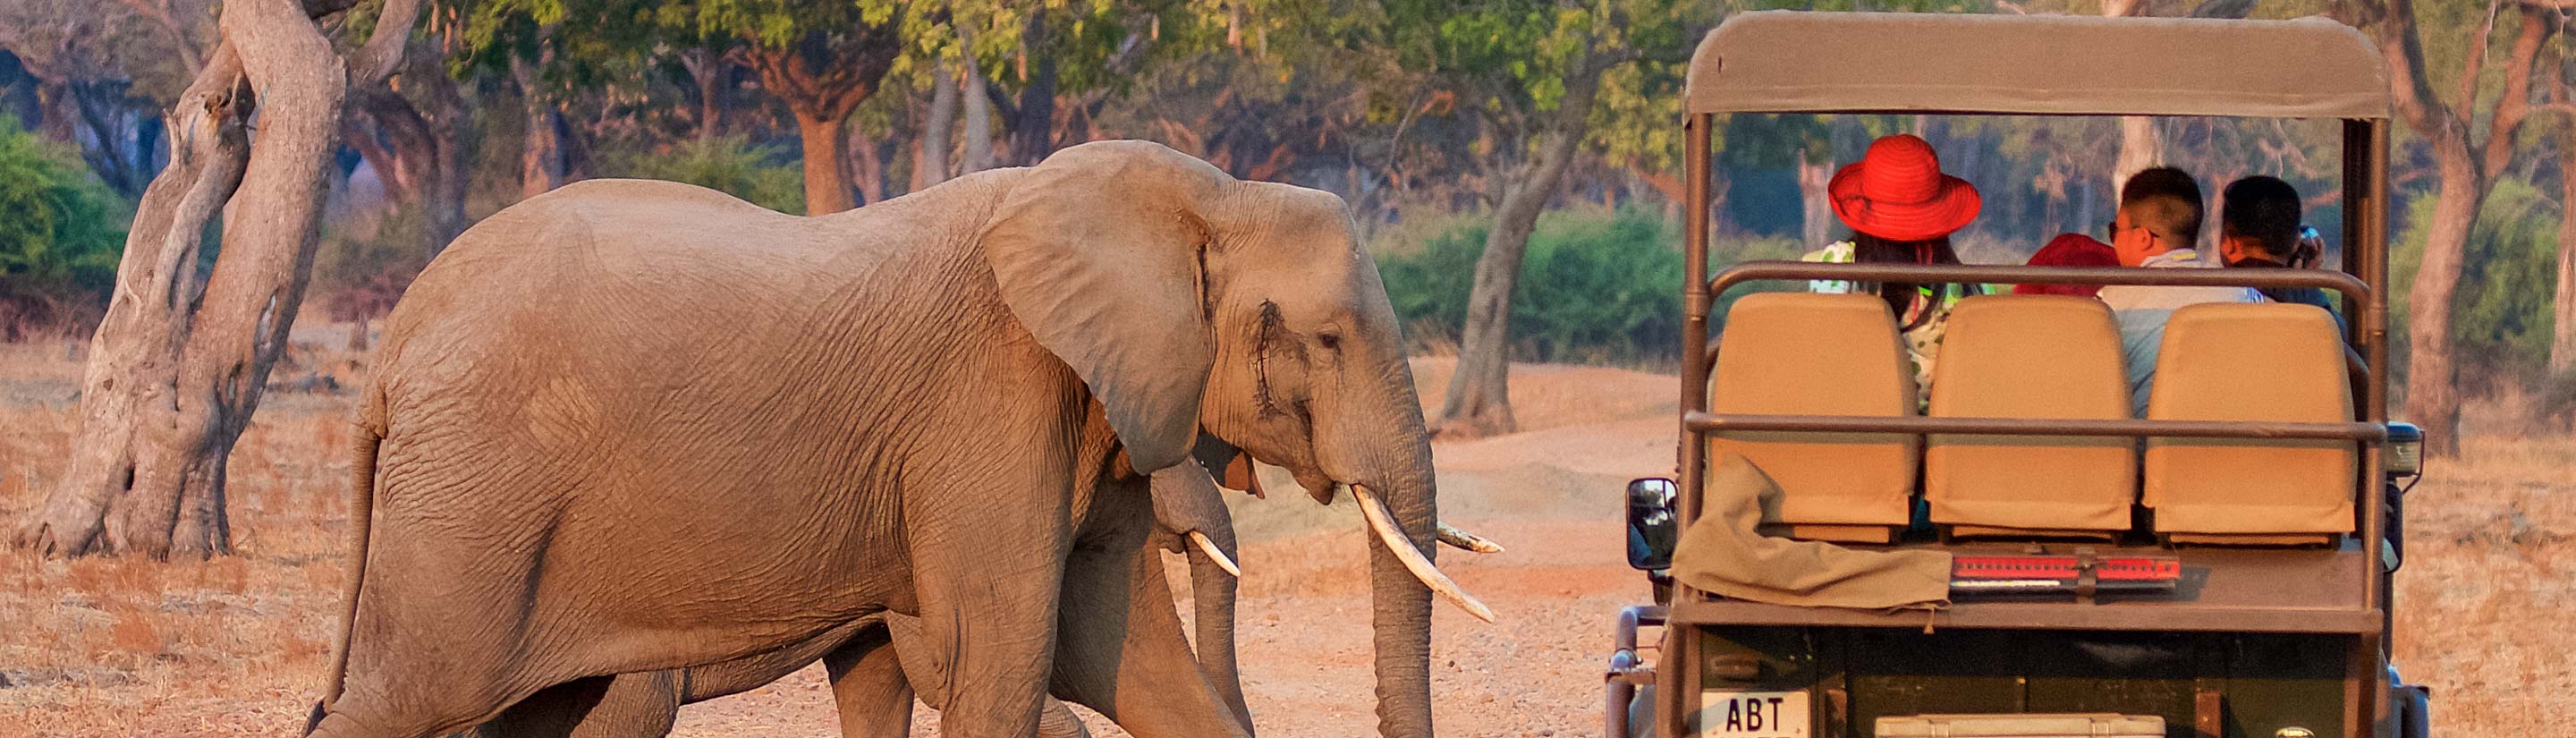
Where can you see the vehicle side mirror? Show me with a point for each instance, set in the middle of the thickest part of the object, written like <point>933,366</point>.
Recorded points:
<point>2405,451</point>
<point>1652,523</point>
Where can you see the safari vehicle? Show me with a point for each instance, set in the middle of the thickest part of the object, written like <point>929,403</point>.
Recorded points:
<point>2274,621</point>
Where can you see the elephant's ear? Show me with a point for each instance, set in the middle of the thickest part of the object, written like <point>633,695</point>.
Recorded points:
<point>1098,251</point>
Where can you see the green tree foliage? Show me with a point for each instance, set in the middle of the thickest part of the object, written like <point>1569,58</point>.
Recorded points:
<point>2502,329</point>
<point>60,234</point>
<point>1600,286</point>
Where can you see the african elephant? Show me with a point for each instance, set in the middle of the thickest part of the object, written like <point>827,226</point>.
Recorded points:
<point>1117,606</point>
<point>634,426</point>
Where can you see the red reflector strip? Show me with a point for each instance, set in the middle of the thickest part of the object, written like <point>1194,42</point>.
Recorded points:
<point>2126,569</point>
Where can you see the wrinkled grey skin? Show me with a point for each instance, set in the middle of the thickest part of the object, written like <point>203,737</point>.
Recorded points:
<point>1117,606</point>
<point>641,426</point>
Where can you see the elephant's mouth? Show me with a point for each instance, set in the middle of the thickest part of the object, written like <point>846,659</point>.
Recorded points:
<point>1381,521</point>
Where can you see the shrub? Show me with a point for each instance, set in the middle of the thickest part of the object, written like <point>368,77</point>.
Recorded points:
<point>61,233</point>
<point>1593,287</point>
<point>761,174</point>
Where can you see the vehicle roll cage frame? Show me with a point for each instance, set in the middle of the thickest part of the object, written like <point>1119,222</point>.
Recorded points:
<point>2361,283</point>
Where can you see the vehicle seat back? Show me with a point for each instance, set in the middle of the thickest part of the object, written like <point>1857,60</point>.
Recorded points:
<point>1795,353</point>
<point>2251,362</point>
<point>2031,356</point>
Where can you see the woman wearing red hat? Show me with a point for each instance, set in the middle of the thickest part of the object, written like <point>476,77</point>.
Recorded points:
<point>1901,208</point>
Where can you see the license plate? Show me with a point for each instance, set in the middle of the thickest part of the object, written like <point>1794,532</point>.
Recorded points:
<point>1729,714</point>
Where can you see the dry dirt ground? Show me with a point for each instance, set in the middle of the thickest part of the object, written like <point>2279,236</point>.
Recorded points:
<point>236,646</point>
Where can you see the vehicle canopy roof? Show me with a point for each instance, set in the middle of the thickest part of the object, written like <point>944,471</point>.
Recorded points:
<point>1810,62</point>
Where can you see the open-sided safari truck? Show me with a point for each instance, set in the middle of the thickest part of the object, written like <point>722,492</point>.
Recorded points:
<point>2219,568</point>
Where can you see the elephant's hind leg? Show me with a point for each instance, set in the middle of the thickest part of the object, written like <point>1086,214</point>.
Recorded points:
<point>425,658</point>
<point>869,689</point>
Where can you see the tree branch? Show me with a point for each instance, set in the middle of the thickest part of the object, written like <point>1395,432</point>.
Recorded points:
<point>2516,103</point>
<point>375,62</point>
<point>2413,92</point>
<point>2465,107</point>
<point>159,12</point>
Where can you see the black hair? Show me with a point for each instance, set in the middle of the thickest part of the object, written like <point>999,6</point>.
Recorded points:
<point>2172,200</point>
<point>1869,249</point>
<point>2265,209</point>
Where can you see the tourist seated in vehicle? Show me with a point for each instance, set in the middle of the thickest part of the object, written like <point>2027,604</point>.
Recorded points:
<point>2158,222</point>
<point>2070,250</point>
<point>1902,209</point>
<point>2258,228</point>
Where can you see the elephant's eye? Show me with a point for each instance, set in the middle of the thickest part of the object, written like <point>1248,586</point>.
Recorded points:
<point>1330,341</point>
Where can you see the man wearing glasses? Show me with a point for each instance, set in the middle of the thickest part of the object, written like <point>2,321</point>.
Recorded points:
<point>2158,223</point>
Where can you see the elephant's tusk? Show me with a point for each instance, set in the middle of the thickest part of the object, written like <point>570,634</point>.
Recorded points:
<point>1382,520</point>
<point>1456,538</point>
<point>1209,547</point>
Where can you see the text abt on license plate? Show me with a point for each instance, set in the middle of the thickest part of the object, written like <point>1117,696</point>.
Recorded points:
<point>1730,714</point>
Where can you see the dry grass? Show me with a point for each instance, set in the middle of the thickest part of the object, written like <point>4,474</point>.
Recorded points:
<point>233,646</point>
<point>2486,606</point>
<point>237,646</point>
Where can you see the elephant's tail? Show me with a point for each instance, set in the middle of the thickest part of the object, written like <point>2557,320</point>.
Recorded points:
<point>367,435</point>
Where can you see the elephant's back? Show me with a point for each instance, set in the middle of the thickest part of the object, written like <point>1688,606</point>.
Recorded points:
<point>620,302</point>
<point>597,253</point>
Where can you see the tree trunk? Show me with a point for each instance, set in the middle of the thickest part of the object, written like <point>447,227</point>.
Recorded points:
<point>2140,148</point>
<point>1032,127</point>
<point>930,160</point>
<point>867,166</point>
<point>822,77</point>
<point>827,163</point>
<point>2466,167</point>
<point>707,69</point>
<point>541,150</point>
<point>978,154</point>
<point>2562,343</point>
<point>422,160</point>
<point>175,374</point>
<point>2432,398</point>
<point>1816,204</point>
<point>1479,397</point>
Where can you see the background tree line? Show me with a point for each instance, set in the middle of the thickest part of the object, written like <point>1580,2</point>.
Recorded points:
<point>1515,163</point>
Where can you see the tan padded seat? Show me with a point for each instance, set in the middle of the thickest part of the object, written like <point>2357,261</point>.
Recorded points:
<point>1795,353</point>
<point>2262,361</point>
<point>2031,356</point>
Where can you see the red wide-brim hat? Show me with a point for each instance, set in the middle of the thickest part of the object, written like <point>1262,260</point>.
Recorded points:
<point>1897,192</point>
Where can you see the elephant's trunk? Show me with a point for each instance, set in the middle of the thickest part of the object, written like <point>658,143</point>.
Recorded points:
<point>1401,605</point>
<point>1213,594</point>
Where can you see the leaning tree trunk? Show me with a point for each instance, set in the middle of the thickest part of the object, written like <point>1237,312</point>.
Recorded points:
<point>2432,398</point>
<point>1479,400</point>
<point>178,365</point>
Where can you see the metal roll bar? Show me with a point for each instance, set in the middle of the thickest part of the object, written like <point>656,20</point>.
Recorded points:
<point>1757,271</point>
<point>1922,425</point>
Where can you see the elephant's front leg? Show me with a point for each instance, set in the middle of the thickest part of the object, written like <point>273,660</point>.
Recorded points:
<point>988,547</point>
